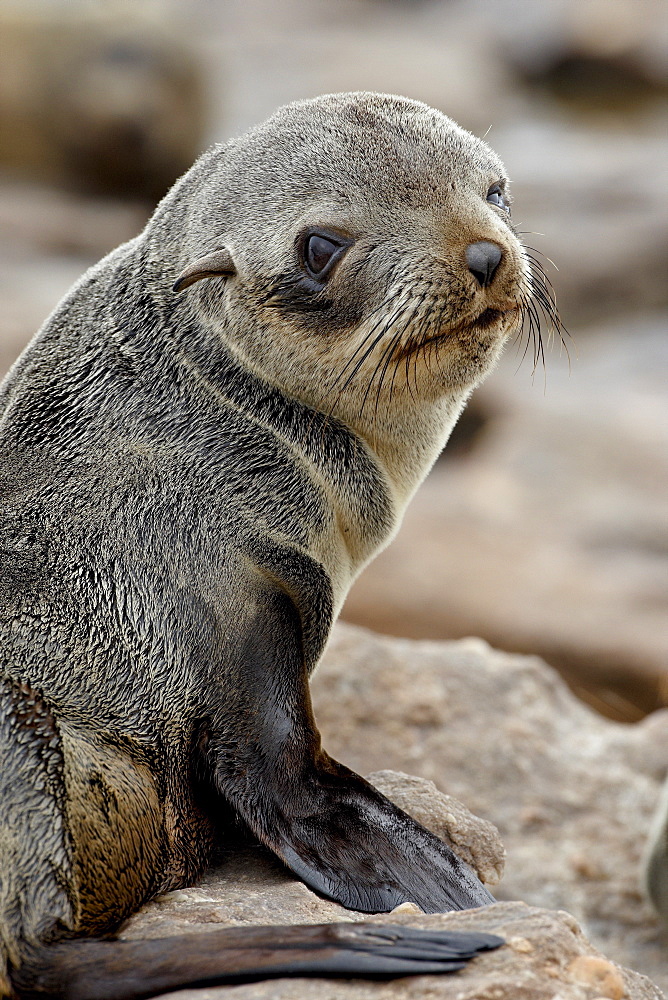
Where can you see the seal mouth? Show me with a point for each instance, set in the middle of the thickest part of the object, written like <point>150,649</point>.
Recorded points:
<point>487,318</point>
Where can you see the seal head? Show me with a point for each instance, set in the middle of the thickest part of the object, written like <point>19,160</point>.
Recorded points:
<point>363,259</point>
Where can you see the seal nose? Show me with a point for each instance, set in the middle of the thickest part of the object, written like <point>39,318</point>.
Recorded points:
<point>483,259</point>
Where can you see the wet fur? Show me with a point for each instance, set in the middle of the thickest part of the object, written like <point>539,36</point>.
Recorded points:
<point>190,483</point>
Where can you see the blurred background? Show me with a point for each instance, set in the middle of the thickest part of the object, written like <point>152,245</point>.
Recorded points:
<point>543,526</point>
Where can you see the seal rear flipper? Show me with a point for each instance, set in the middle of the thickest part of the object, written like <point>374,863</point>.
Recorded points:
<point>350,843</point>
<point>131,970</point>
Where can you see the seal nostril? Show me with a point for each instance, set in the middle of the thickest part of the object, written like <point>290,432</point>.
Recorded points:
<point>483,259</point>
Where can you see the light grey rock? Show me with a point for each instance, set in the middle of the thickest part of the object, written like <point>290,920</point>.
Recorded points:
<point>571,793</point>
<point>546,955</point>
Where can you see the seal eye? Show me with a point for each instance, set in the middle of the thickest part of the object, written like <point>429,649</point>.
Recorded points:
<point>496,196</point>
<point>320,252</point>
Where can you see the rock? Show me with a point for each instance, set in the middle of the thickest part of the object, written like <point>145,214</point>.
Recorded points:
<point>108,103</point>
<point>571,793</point>
<point>610,252</point>
<point>37,219</point>
<point>420,50</point>
<point>549,536</point>
<point>49,237</point>
<point>656,858</point>
<point>599,974</point>
<point>620,38</point>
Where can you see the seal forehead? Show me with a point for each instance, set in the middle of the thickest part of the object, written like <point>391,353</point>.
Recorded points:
<point>391,148</point>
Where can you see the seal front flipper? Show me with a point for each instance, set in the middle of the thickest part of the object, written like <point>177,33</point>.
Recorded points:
<point>349,842</point>
<point>329,825</point>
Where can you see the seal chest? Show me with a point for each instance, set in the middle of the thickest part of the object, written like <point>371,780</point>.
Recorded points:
<point>214,432</point>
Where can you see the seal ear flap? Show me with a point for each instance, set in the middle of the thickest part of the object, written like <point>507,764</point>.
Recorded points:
<point>215,264</point>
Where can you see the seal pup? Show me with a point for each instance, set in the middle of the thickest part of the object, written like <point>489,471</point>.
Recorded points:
<point>216,429</point>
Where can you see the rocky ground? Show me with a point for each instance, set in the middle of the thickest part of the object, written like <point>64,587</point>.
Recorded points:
<point>546,955</point>
<point>571,793</point>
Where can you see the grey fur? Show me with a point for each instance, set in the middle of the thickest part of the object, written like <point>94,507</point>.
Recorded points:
<point>179,472</point>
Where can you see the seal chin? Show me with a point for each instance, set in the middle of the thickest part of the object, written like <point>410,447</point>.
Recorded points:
<point>502,318</point>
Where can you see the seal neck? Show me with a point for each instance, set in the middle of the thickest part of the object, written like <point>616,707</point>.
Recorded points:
<point>336,459</point>
<point>406,441</point>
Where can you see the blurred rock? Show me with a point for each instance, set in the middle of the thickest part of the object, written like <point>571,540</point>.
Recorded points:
<point>48,238</point>
<point>545,951</point>
<point>274,53</point>
<point>585,196</point>
<point>656,858</point>
<point>102,103</point>
<point>571,793</point>
<point>35,219</point>
<point>589,51</point>
<point>549,536</point>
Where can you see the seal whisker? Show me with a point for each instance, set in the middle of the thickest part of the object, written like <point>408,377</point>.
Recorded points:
<point>541,299</point>
<point>433,346</point>
<point>363,358</point>
<point>543,290</point>
<point>396,342</point>
<point>540,252</point>
<point>423,317</point>
<point>407,360</point>
<point>547,304</point>
<point>393,346</point>
<point>387,351</point>
<point>529,319</point>
<point>411,319</point>
<point>424,321</point>
<point>535,334</point>
<point>388,326</point>
<point>381,335</point>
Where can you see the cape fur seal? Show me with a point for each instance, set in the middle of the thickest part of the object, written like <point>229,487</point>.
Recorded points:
<point>213,433</point>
